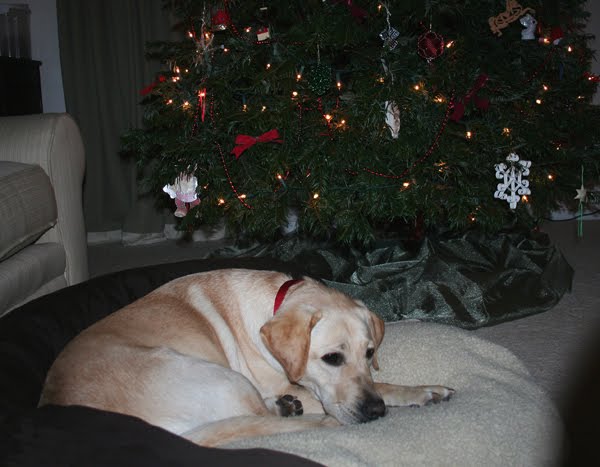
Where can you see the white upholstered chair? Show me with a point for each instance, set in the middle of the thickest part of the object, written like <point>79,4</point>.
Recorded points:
<point>42,234</point>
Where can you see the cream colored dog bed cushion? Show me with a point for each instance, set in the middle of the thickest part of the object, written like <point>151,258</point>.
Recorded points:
<point>498,416</point>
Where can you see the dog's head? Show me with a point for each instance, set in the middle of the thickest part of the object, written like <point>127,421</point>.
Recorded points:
<point>327,342</point>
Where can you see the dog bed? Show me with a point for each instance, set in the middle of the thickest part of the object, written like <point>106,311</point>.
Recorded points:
<point>497,417</point>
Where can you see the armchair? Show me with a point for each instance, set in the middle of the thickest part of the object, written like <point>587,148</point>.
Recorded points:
<point>42,234</point>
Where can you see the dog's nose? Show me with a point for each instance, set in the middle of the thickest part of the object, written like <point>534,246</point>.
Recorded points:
<point>372,408</point>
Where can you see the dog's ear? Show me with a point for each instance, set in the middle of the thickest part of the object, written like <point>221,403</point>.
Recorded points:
<point>287,336</point>
<point>377,327</point>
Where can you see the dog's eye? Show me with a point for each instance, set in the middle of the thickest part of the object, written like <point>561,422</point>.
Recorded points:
<point>370,353</point>
<point>334,358</point>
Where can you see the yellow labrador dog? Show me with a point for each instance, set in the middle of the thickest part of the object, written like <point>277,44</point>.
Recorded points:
<point>220,355</point>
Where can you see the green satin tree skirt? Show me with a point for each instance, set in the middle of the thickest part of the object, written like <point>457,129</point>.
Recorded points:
<point>470,281</point>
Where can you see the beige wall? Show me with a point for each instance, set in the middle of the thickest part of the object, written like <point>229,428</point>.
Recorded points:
<point>44,47</point>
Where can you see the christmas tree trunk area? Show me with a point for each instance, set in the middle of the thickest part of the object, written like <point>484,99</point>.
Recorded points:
<point>337,121</point>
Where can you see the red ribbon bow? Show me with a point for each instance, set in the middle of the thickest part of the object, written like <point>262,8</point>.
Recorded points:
<point>244,142</point>
<point>148,89</point>
<point>357,12</point>
<point>480,103</point>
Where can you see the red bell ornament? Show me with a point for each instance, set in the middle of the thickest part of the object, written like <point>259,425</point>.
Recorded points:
<point>430,45</point>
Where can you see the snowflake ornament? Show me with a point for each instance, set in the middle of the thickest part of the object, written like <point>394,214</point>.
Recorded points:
<point>512,175</point>
<point>389,37</point>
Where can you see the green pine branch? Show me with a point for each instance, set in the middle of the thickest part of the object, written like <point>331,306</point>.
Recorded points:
<point>348,177</point>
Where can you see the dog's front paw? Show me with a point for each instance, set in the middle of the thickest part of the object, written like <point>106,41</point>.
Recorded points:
<point>432,395</point>
<point>289,406</point>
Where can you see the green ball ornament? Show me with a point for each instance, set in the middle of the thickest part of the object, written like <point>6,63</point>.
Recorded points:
<point>319,78</point>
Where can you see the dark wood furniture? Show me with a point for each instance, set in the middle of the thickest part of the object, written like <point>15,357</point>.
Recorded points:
<point>20,87</point>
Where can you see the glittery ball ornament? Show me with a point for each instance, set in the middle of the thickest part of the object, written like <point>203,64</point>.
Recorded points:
<point>430,45</point>
<point>319,78</point>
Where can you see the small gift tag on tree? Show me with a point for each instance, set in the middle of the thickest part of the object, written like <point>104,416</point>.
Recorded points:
<point>263,34</point>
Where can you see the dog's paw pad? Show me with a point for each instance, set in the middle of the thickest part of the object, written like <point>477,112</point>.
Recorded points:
<point>289,406</point>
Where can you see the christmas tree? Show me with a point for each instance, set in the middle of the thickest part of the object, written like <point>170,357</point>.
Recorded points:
<point>351,116</point>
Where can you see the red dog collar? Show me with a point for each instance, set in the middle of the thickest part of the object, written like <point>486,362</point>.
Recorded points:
<point>282,292</point>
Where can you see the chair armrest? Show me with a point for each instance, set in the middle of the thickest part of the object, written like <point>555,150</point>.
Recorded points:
<point>53,141</point>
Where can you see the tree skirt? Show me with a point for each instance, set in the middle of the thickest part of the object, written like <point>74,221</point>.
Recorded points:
<point>470,281</point>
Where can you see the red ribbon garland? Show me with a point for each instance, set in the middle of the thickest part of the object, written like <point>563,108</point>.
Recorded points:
<point>480,103</point>
<point>244,142</point>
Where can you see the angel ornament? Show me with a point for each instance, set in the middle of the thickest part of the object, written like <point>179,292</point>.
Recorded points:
<point>512,175</point>
<point>183,191</point>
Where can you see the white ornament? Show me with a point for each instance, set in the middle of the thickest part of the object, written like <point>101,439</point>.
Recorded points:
<point>529,23</point>
<point>183,190</point>
<point>392,118</point>
<point>291,222</point>
<point>512,175</point>
<point>581,194</point>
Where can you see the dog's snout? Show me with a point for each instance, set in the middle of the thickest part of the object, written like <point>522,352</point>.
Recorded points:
<point>372,407</point>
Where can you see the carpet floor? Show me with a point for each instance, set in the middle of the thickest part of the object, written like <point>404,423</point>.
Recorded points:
<point>551,344</point>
